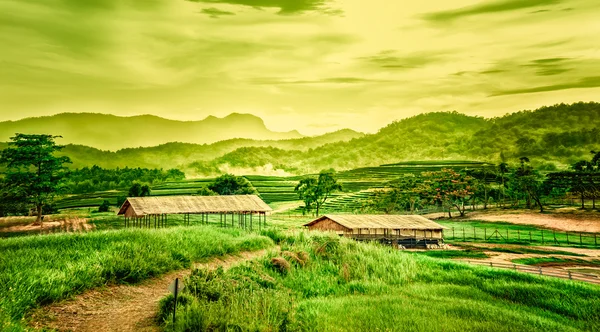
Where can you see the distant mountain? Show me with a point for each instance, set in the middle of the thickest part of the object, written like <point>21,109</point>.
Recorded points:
<point>110,132</point>
<point>553,136</point>
<point>178,155</point>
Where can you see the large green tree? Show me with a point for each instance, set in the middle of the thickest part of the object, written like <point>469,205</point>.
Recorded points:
<point>229,184</point>
<point>315,192</point>
<point>448,188</point>
<point>32,170</point>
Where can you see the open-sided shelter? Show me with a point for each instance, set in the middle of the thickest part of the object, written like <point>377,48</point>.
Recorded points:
<point>408,230</point>
<point>145,209</point>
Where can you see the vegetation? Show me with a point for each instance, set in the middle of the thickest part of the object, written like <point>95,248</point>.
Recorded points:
<point>33,173</point>
<point>230,184</point>
<point>325,281</point>
<point>315,192</point>
<point>36,270</point>
<point>139,190</point>
<point>553,261</point>
<point>468,253</point>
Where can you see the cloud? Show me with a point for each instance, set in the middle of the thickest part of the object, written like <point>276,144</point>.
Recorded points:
<point>215,12</point>
<point>284,6</point>
<point>392,60</point>
<point>582,83</point>
<point>487,8</point>
<point>328,80</point>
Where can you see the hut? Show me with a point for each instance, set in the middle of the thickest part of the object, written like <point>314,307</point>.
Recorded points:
<point>406,230</point>
<point>143,210</point>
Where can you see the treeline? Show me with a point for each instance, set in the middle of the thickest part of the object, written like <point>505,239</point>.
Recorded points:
<point>91,179</point>
<point>512,186</point>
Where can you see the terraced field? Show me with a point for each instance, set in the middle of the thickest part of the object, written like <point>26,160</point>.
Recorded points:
<point>357,184</point>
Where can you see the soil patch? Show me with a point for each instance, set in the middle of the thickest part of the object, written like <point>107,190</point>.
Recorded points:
<point>559,221</point>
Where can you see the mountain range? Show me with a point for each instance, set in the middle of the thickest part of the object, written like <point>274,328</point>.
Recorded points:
<point>110,132</point>
<point>551,136</point>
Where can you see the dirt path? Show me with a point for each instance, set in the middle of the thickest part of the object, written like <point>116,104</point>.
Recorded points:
<point>562,222</point>
<point>121,307</point>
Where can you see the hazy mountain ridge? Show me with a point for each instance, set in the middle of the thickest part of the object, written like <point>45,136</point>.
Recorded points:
<point>177,154</point>
<point>553,136</point>
<point>111,132</point>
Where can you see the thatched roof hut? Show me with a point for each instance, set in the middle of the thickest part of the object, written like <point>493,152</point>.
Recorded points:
<point>379,226</point>
<point>135,207</point>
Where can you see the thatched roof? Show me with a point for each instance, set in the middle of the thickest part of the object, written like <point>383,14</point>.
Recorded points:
<point>193,204</point>
<point>384,221</point>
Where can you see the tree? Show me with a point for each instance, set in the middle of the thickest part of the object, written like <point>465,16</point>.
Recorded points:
<point>448,188</point>
<point>229,184</point>
<point>530,182</point>
<point>204,191</point>
<point>315,192</point>
<point>33,172</point>
<point>400,194</point>
<point>104,207</point>
<point>139,190</point>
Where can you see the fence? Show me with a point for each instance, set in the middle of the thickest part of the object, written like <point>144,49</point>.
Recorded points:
<point>498,235</point>
<point>549,272</point>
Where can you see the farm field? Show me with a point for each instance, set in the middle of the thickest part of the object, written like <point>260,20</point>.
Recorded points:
<point>37,270</point>
<point>356,183</point>
<point>317,281</point>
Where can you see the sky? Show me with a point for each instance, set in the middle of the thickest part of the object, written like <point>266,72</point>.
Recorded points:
<point>311,65</point>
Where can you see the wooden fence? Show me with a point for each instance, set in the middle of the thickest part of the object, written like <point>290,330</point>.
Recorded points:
<point>549,272</point>
<point>506,235</point>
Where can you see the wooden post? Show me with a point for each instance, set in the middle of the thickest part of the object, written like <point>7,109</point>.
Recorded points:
<point>250,220</point>
<point>464,239</point>
<point>452,232</point>
<point>519,234</point>
<point>567,237</point>
<point>580,239</point>
<point>530,237</point>
<point>595,242</point>
<point>474,234</point>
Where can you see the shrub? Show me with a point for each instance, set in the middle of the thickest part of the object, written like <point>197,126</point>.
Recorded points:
<point>281,265</point>
<point>104,207</point>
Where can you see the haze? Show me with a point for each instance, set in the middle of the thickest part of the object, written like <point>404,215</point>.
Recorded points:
<point>310,65</point>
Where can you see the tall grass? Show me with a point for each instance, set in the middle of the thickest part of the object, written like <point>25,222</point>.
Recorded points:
<point>36,270</point>
<point>346,286</point>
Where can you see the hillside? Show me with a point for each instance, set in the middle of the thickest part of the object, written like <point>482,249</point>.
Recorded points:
<point>109,132</point>
<point>173,155</point>
<point>553,136</point>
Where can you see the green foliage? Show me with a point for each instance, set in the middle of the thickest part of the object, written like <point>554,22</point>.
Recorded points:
<point>369,287</point>
<point>448,188</point>
<point>139,190</point>
<point>37,270</point>
<point>204,191</point>
<point>104,207</point>
<point>33,172</point>
<point>315,192</point>
<point>468,253</point>
<point>230,184</point>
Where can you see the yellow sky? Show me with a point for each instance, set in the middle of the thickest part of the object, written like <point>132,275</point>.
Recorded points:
<point>311,65</point>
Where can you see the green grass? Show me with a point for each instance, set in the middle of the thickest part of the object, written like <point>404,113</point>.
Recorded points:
<point>548,261</point>
<point>521,250</point>
<point>36,270</point>
<point>332,284</point>
<point>468,253</point>
<point>507,233</point>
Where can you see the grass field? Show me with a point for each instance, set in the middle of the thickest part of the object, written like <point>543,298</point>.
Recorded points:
<point>555,261</point>
<point>36,270</point>
<point>321,283</point>
<point>500,232</point>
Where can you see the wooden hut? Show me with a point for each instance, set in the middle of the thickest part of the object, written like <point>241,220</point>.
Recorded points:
<point>144,209</point>
<point>408,230</point>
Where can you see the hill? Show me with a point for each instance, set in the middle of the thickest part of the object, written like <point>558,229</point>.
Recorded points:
<point>110,132</point>
<point>177,155</point>
<point>552,137</point>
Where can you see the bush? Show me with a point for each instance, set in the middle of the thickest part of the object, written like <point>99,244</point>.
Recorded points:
<point>104,207</point>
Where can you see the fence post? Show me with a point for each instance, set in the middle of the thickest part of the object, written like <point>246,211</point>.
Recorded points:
<point>542,236</point>
<point>515,266</point>
<point>570,277</point>
<point>485,234</point>
<point>540,270</point>
<point>491,264</point>
<point>453,238</point>
<point>464,239</point>
<point>519,235</point>
<point>580,240</point>
<point>474,234</point>
<point>507,234</point>
<point>567,237</point>
<point>595,242</point>
<point>530,240</point>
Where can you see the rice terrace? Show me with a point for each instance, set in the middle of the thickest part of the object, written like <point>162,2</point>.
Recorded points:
<point>314,165</point>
